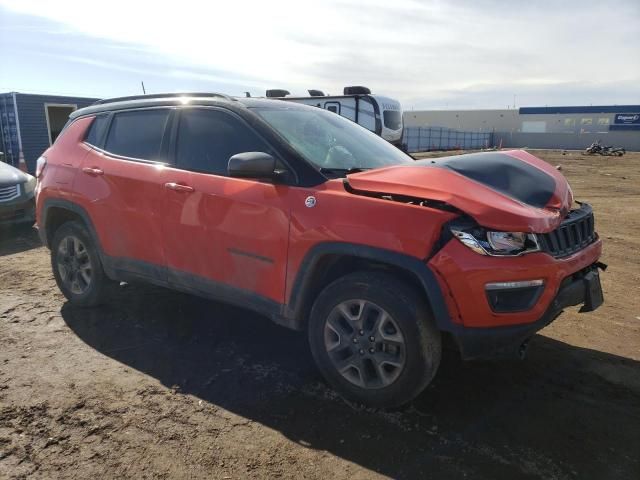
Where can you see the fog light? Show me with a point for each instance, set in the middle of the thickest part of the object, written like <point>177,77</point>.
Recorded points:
<point>510,297</point>
<point>509,285</point>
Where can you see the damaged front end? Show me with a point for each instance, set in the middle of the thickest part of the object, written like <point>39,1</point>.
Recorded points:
<point>503,191</point>
<point>515,255</point>
<point>575,232</point>
<point>509,203</point>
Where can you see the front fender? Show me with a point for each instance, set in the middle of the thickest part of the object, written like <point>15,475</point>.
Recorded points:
<point>310,266</point>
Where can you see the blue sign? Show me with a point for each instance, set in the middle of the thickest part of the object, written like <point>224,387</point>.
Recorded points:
<point>627,119</point>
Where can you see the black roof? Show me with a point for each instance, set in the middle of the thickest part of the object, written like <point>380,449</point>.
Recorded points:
<point>176,99</point>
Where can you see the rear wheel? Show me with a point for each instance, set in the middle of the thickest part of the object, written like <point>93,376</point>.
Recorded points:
<point>373,339</point>
<point>76,266</point>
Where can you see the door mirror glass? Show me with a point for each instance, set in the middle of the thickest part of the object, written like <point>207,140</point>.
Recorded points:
<point>252,165</point>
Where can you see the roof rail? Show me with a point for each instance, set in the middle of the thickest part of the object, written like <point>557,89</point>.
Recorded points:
<point>163,95</point>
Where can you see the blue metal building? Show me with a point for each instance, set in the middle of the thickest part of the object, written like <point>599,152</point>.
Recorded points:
<point>30,123</point>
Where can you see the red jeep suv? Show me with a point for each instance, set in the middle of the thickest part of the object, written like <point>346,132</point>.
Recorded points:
<point>317,223</point>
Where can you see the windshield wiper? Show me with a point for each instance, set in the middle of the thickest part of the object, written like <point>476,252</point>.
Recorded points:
<point>341,172</point>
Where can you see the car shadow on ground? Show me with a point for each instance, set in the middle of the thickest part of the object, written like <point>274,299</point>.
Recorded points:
<point>18,238</point>
<point>564,412</point>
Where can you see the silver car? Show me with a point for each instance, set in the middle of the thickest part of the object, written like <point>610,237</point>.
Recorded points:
<point>17,190</point>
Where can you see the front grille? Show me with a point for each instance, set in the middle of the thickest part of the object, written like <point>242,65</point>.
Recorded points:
<point>9,193</point>
<point>574,233</point>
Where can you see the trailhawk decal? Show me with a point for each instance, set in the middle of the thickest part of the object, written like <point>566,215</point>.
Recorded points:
<point>503,173</point>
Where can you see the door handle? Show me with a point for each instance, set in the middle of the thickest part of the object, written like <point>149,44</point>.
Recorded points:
<point>93,171</point>
<point>178,187</point>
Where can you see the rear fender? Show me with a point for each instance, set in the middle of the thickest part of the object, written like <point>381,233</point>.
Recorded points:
<point>78,211</point>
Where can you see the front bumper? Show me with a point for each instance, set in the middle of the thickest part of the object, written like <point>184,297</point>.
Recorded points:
<point>463,276</point>
<point>582,288</point>
<point>483,332</point>
<point>17,211</point>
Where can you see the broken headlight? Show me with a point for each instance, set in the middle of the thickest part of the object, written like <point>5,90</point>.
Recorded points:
<point>486,242</point>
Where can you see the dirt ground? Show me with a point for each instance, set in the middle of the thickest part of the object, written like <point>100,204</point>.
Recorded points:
<point>164,385</point>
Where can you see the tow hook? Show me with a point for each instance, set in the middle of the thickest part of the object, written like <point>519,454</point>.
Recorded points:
<point>522,351</point>
<point>601,266</point>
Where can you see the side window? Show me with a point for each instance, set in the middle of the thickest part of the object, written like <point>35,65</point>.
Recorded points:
<point>207,138</point>
<point>95,134</point>
<point>137,134</point>
<point>332,106</point>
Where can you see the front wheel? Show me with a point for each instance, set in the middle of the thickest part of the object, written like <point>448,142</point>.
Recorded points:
<point>373,339</point>
<point>76,266</point>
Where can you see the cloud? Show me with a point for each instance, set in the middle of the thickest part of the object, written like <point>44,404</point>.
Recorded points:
<point>424,53</point>
<point>483,96</point>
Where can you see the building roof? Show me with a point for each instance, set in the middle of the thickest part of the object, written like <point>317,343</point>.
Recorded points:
<point>580,109</point>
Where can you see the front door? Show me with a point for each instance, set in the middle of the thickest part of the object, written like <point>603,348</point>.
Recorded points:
<point>224,236</point>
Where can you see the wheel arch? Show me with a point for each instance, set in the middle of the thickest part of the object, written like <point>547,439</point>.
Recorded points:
<point>56,212</point>
<point>326,262</point>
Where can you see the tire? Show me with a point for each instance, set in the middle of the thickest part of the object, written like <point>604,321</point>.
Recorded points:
<point>77,267</point>
<point>398,347</point>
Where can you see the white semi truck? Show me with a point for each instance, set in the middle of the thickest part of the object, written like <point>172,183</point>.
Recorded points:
<point>381,115</point>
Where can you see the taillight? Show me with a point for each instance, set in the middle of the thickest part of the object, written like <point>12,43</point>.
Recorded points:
<point>40,164</point>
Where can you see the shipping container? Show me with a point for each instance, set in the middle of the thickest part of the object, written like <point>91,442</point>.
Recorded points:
<point>30,123</point>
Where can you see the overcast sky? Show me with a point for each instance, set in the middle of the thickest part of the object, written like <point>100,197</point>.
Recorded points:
<point>428,54</point>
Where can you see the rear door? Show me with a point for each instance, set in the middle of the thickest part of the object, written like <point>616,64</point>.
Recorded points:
<point>122,178</point>
<point>223,236</point>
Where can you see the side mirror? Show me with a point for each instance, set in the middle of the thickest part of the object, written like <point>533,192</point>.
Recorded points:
<point>252,165</point>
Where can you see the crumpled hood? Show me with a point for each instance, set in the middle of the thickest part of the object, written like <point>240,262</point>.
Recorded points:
<point>508,191</point>
<point>10,175</point>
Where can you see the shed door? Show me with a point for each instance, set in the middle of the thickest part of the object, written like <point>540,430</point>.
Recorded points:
<point>57,116</point>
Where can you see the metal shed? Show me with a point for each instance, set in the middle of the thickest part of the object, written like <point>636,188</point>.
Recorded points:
<point>30,123</point>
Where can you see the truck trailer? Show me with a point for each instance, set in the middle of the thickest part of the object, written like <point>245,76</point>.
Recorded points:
<point>379,114</point>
